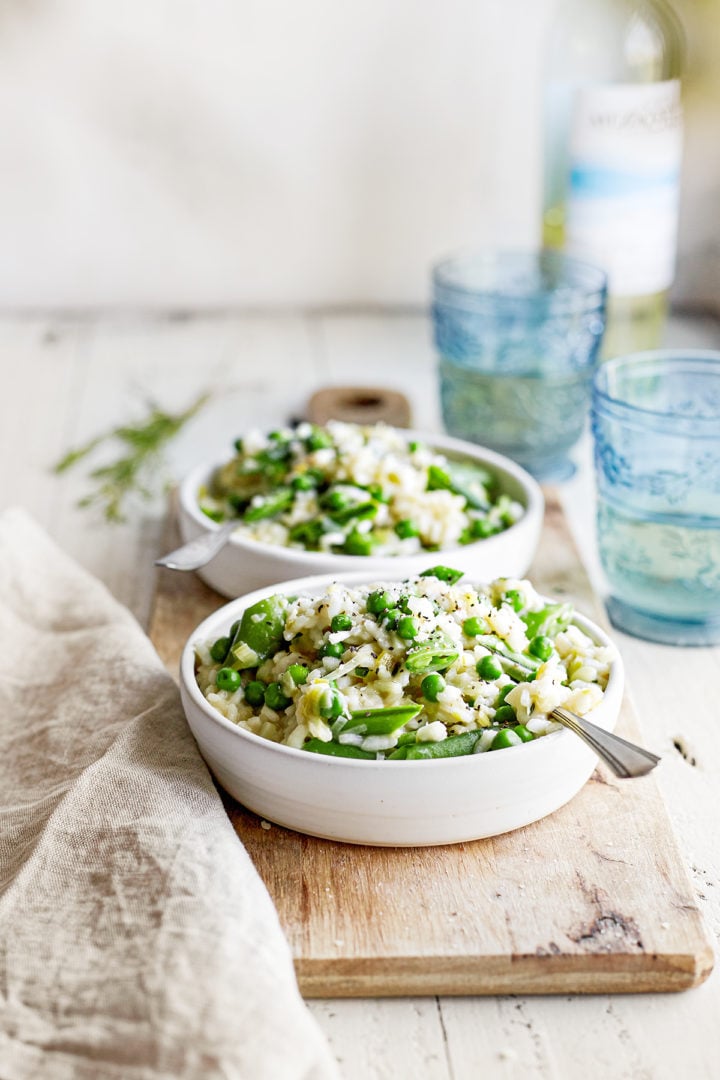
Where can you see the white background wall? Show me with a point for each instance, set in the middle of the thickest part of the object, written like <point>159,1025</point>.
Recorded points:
<point>190,153</point>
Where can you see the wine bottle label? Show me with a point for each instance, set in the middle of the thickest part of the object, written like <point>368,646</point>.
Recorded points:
<point>623,187</point>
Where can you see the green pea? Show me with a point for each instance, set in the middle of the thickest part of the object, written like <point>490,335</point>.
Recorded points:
<point>505,715</point>
<point>303,482</point>
<point>522,732</point>
<point>406,528</point>
<point>219,649</point>
<point>500,700</point>
<point>335,500</point>
<point>228,679</point>
<point>376,492</point>
<point>255,693</point>
<point>505,739</point>
<point>432,685</point>
<point>541,646</point>
<point>275,698</point>
<point>514,599</point>
<point>333,648</point>
<point>488,668</point>
<point>298,673</point>
<point>481,529</point>
<point>378,601</point>
<point>358,543</point>
<point>391,617</point>
<point>413,446</point>
<point>361,672</point>
<point>407,628</point>
<point>340,622</point>
<point>474,626</point>
<point>333,704</point>
<point>318,440</point>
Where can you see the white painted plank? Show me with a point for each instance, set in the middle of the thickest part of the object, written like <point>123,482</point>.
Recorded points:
<point>388,1039</point>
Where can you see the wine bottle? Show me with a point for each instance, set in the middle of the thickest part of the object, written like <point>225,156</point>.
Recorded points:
<point>613,151</point>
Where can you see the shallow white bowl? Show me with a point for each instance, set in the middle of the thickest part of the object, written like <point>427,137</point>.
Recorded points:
<point>248,564</point>
<point>388,803</point>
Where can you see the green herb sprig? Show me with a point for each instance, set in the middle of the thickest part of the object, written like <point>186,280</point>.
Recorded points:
<point>132,473</point>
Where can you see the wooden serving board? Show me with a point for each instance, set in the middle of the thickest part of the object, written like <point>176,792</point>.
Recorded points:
<point>594,898</point>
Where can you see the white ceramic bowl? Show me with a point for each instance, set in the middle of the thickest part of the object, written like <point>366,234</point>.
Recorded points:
<point>388,803</point>
<point>245,564</point>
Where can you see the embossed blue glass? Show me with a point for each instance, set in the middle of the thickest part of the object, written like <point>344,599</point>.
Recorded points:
<point>518,336</point>
<point>656,430</point>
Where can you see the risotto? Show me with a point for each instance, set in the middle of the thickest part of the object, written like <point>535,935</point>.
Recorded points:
<point>425,668</point>
<point>358,490</point>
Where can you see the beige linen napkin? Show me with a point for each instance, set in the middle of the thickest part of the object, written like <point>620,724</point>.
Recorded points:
<point>136,938</point>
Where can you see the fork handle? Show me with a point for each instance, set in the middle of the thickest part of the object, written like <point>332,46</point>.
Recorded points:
<point>626,759</point>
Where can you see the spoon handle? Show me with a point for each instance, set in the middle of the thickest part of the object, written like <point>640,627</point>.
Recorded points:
<point>624,758</point>
<point>198,552</point>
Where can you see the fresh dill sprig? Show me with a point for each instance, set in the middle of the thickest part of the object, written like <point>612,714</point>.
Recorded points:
<point>132,472</point>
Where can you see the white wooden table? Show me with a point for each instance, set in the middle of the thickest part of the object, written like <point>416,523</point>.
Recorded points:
<point>65,380</point>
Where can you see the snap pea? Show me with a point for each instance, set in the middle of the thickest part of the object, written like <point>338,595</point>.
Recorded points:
<point>443,573</point>
<point>497,646</point>
<point>444,480</point>
<point>549,621</point>
<point>359,512</point>
<point>270,506</point>
<point>333,749</point>
<point>307,533</point>
<point>399,754</point>
<point>260,633</point>
<point>381,721</point>
<point>453,746</point>
<point>435,654</point>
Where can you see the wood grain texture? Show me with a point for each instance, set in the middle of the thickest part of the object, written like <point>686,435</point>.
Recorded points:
<point>594,898</point>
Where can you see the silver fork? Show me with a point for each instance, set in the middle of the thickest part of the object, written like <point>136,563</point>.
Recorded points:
<point>626,759</point>
<point>198,552</point>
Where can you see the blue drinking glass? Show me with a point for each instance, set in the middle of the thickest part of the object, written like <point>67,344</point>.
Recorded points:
<point>656,431</point>
<point>518,336</point>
